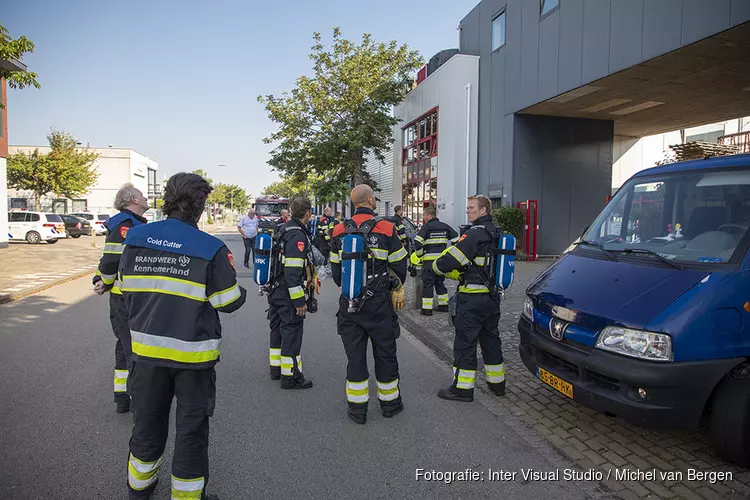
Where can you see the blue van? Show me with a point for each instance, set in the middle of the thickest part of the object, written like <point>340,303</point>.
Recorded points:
<point>648,317</point>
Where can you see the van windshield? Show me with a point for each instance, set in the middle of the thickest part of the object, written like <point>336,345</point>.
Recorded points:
<point>690,216</point>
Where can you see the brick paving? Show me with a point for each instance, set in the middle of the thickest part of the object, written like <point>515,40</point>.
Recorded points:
<point>589,439</point>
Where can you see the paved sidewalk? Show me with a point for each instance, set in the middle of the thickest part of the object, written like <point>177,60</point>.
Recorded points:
<point>588,438</point>
<point>27,269</point>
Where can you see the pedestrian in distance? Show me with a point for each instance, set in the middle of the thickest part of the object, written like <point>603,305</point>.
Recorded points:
<point>370,316</point>
<point>248,228</point>
<point>131,205</point>
<point>283,216</point>
<point>432,239</point>
<point>322,234</point>
<point>290,290</point>
<point>477,312</point>
<point>175,279</point>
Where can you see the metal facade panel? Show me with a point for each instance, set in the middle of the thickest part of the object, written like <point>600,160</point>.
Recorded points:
<point>549,48</point>
<point>512,54</point>
<point>626,35</point>
<point>496,117</point>
<point>529,52</point>
<point>470,41</point>
<point>596,23</point>
<point>740,12</point>
<point>661,32</point>
<point>702,18</point>
<point>571,45</point>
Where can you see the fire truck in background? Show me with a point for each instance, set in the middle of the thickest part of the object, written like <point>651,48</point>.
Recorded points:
<point>268,209</point>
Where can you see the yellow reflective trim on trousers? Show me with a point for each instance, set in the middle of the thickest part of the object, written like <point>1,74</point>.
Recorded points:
<point>473,289</point>
<point>296,292</point>
<point>173,354</point>
<point>294,262</point>
<point>334,257</point>
<point>398,255</point>
<point>188,489</point>
<point>186,495</point>
<point>358,392</point>
<point>458,255</point>
<point>387,391</point>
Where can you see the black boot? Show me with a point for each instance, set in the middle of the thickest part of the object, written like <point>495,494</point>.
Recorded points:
<point>122,405</point>
<point>453,394</point>
<point>443,309</point>
<point>390,412</point>
<point>209,496</point>
<point>497,389</point>
<point>298,382</point>
<point>275,372</point>
<point>357,412</point>
<point>426,312</point>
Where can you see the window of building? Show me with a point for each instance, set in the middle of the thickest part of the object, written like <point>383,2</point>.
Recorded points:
<point>548,6</point>
<point>59,206</point>
<point>498,31</point>
<point>712,136</point>
<point>79,206</point>
<point>419,165</point>
<point>18,203</point>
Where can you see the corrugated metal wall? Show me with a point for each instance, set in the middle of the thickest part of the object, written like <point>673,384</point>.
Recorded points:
<point>382,173</point>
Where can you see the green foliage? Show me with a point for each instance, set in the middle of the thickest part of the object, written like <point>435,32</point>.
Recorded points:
<point>509,219</point>
<point>286,187</point>
<point>203,174</point>
<point>65,171</point>
<point>229,196</point>
<point>330,121</point>
<point>14,50</point>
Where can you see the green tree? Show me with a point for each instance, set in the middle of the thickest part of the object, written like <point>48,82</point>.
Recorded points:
<point>330,121</point>
<point>14,50</point>
<point>65,171</point>
<point>203,174</point>
<point>287,187</point>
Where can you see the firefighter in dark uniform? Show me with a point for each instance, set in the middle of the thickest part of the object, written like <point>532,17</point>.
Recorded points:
<point>335,221</point>
<point>322,237</point>
<point>293,283</point>
<point>132,205</point>
<point>175,279</point>
<point>477,308</point>
<point>432,239</point>
<point>376,319</point>
<point>398,221</point>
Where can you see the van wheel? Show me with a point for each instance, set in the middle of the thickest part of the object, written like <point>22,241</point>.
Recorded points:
<point>730,421</point>
<point>33,237</point>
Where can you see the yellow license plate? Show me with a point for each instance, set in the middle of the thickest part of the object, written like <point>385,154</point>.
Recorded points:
<point>555,382</point>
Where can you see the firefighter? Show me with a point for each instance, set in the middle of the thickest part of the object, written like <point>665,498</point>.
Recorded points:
<point>175,278</point>
<point>291,286</point>
<point>432,239</point>
<point>478,305</point>
<point>322,236</point>
<point>375,319</point>
<point>132,205</point>
<point>398,221</point>
<point>335,221</point>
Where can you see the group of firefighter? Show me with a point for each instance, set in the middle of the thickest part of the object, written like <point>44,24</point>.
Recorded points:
<point>167,280</point>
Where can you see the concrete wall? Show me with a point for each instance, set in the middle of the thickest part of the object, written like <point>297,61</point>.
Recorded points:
<point>445,89</point>
<point>116,166</point>
<point>566,165</point>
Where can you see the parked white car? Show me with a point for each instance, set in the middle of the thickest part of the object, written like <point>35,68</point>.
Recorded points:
<point>96,220</point>
<point>35,227</point>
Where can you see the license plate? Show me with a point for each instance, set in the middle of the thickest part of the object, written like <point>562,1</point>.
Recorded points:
<point>555,382</point>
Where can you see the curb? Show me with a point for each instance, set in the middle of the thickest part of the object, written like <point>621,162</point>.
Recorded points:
<point>12,297</point>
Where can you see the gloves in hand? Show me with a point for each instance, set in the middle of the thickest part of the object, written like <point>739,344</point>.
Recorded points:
<point>398,298</point>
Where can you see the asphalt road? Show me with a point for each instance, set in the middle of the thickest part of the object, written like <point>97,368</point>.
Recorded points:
<point>60,437</point>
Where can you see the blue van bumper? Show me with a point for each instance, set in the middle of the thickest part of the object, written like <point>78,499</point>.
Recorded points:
<point>676,393</point>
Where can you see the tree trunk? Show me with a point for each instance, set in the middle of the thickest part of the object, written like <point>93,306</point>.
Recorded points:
<point>358,160</point>
<point>38,202</point>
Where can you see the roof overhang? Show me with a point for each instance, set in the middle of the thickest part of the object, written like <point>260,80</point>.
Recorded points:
<point>12,65</point>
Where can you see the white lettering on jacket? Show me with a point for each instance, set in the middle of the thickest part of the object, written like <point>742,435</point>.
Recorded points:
<point>164,243</point>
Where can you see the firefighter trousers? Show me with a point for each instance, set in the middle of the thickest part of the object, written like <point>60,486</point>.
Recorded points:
<point>286,333</point>
<point>153,388</point>
<point>377,323</point>
<point>476,320</point>
<point>430,282</point>
<point>118,316</point>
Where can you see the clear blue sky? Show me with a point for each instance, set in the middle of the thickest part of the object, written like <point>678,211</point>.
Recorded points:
<point>178,80</point>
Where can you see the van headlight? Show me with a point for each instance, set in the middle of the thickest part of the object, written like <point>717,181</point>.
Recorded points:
<point>636,343</point>
<point>528,309</point>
